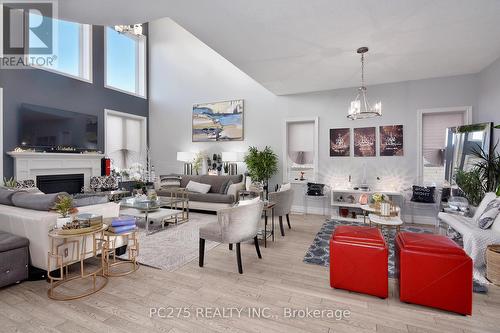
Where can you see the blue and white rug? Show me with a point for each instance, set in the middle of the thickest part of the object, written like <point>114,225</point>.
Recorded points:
<point>319,251</point>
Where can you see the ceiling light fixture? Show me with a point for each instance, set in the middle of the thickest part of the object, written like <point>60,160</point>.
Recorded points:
<point>133,29</point>
<point>360,108</point>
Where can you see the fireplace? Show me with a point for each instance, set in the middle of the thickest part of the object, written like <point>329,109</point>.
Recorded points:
<point>71,183</point>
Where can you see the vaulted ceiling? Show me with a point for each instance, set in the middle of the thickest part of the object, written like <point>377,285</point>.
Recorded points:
<point>295,46</point>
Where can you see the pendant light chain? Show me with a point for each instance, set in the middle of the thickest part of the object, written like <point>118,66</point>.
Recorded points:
<point>362,69</point>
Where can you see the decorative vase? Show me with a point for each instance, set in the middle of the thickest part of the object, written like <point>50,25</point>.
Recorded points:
<point>62,221</point>
<point>385,209</point>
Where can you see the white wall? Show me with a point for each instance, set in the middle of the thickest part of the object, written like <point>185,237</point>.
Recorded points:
<point>489,95</point>
<point>185,71</point>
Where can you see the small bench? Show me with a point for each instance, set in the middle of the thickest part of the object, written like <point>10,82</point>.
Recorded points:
<point>14,259</point>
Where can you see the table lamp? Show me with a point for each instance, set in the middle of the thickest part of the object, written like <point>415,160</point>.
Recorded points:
<point>232,158</point>
<point>187,158</point>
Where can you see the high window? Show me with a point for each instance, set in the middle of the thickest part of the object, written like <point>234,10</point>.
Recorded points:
<point>125,62</point>
<point>72,47</point>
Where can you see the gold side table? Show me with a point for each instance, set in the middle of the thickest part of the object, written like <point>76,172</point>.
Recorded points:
<point>69,249</point>
<point>110,261</point>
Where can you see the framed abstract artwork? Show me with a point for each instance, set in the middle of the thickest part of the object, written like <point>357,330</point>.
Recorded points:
<point>391,140</point>
<point>340,142</point>
<point>219,121</point>
<point>365,142</point>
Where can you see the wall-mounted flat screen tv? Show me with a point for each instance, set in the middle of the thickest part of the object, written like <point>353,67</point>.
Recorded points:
<point>51,129</point>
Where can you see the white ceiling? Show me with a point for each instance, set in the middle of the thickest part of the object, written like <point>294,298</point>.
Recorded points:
<point>294,46</point>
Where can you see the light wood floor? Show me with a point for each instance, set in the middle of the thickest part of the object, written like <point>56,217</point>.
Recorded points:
<point>280,280</point>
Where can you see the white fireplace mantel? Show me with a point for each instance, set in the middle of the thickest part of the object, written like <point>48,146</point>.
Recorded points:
<point>28,165</point>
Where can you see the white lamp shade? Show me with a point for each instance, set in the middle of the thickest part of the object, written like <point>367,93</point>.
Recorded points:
<point>233,156</point>
<point>185,156</point>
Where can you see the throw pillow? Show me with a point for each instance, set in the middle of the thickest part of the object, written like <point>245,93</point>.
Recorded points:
<point>35,201</point>
<point>249,202</point>
<point>489,215</point>
<point>198,187</point>
<point>423,194</point>
<point>225,187</point>
<point>285,187</point>
<point>170,181</point>
<point>482,206</point>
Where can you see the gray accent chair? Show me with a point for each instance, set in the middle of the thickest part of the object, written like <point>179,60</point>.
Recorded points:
<point>283,206</point>
<point>234,225</point>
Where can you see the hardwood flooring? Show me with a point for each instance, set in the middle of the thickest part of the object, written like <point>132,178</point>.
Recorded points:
<point>278,282</point>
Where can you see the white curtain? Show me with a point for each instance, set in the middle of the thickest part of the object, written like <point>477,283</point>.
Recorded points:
<point>125,142</point>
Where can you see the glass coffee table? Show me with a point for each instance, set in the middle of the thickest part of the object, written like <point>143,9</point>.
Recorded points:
<point>150,211</point>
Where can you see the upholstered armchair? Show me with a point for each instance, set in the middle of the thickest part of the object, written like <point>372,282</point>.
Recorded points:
<point>234,225</point>
<point>283,200</point>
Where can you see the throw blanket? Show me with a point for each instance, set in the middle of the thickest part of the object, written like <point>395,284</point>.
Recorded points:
<point>475,241</point>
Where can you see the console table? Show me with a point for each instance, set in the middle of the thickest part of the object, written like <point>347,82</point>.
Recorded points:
<point>354,205</point>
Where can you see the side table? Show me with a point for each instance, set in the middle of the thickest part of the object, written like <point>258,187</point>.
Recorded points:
<point>69,249</point>
<point>110,261</point>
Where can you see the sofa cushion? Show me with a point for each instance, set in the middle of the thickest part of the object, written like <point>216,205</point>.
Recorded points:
<point>489,215</point>
<point>216,182</point>
<point>6,195</point>
<point>90,200</point>
<point>36,201</point>
<point>211,197</point>
<point>196,187</point>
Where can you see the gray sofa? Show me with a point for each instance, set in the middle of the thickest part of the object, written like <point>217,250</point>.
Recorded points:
<point>215,199</point>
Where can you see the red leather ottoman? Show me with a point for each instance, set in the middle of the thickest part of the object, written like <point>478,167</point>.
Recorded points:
<point>358,260</point>
<point>434,271</point>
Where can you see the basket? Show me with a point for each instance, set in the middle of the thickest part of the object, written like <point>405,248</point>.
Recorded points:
<point>493,264</point>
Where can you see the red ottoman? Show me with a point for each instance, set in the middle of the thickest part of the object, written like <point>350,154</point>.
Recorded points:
<point>434,271</point>
<point>358,260</point>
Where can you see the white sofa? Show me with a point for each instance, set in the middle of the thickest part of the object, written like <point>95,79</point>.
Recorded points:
<point>35,225</point>
<point>475,239</point>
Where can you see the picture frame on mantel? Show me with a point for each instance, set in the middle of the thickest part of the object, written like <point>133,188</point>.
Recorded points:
<point>365,142</point>
<point>218,121</point>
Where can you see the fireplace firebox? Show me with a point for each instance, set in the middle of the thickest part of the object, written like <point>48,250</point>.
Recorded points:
<point>70,183</point>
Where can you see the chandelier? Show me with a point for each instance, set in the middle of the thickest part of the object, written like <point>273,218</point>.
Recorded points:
<point>133,29</point>
<point>360,108</point>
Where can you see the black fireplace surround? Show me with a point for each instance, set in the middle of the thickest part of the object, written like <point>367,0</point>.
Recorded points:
<point>71,183</point>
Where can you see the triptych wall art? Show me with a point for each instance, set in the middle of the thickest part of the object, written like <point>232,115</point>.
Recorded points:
<point>365,141</point>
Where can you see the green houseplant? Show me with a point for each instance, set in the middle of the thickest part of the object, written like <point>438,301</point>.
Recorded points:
<point>261,165</point>
<point>471,184</point>
<point>10,182</point>
<point>64,207</point>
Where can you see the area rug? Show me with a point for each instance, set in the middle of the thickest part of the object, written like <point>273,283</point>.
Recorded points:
<point>319,251</point>
<point>175,246</point>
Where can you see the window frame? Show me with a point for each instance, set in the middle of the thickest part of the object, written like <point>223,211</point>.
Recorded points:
<point>141,65</point>
<point>85,55</point>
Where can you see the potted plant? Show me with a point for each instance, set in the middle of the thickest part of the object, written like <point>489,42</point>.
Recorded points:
<point>197,162</point>
<point>10,182</point>
<point>261,165</point>
<point>64,207</point>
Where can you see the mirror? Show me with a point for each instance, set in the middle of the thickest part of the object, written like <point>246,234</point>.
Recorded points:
<point>461,142</point>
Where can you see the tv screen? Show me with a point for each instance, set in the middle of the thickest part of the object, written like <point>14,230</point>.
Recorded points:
<point>52,129</point>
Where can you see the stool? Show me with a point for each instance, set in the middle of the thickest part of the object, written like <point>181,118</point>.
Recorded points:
<point>14,259</point>
<point>358,260</point>
<point>433,271</point>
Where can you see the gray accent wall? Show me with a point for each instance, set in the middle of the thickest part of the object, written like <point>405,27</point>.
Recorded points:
<point>36,86</point>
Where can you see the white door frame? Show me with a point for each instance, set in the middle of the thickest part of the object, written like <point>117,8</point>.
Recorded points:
<point>466,110</point>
